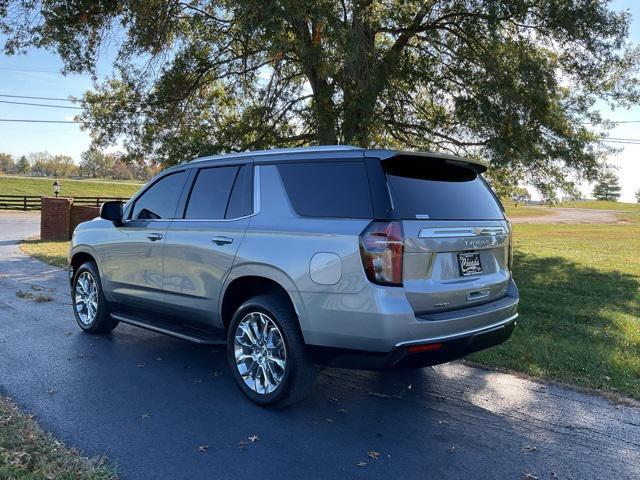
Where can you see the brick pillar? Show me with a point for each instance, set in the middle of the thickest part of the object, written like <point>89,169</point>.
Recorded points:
<point>55,218</point>
<point>82,213</point>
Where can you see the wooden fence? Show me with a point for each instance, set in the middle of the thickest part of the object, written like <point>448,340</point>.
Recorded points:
<point>34,202</point>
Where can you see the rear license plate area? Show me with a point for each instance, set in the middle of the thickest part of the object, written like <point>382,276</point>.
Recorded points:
<point>469,264</point>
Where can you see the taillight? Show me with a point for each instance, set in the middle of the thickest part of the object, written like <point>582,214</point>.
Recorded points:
<point>381,248</point>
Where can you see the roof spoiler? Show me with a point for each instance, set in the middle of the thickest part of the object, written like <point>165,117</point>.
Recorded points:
<point>476,165</point>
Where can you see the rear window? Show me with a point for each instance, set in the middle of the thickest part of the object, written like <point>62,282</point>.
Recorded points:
<point>425,188</point>
<point>328,189</point>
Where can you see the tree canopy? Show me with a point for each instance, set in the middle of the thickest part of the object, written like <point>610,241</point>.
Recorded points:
<point>518,83</point>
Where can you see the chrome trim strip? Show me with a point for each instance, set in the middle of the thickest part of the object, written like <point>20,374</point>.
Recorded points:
<point>453,336</point>
<point>456,232</point>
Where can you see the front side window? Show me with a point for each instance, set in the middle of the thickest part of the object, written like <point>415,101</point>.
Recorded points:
<point>210,194</point>
<point>161,199</point>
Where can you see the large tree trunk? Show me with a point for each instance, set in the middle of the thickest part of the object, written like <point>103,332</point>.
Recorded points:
<point>324,111</point>
<point>360,89</point>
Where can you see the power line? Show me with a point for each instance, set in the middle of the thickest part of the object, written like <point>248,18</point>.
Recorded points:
<point>24,120</point>
<point>56,72</point>
<point>41,98</point>
<point>618,122</point>
<point>39,104</point>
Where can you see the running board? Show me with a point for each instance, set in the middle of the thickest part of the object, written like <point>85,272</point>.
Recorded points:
<point>166,328</point>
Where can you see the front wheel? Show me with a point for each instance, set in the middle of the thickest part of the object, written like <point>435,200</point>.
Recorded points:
<point>89,305</point>
<point>266,352</point>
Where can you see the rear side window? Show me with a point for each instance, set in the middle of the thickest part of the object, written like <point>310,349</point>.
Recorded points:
<point>210,193</point>
<point>426,188</point>
<point>161,199</point>
<point>328,189</point>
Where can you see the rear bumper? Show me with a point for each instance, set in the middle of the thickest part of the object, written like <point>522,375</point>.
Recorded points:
<point>380,320</point>
<point>402,356</point>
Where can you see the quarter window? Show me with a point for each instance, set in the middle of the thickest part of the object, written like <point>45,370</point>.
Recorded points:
<point>161,199</point>
<point>328,189</point>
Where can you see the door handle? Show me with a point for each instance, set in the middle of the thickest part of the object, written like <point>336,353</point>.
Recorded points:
<point>222,240</point>
<point>154,236</point>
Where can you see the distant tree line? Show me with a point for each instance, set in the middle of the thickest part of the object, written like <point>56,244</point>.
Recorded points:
<point>94,164</point>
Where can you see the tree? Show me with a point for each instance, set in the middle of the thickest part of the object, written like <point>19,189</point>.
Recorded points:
<point>607,187</point>
<point>6,163</point>
<point>96,164</point>
<point>638,196</point>
<point>513,82</point>
<point>22,166</point>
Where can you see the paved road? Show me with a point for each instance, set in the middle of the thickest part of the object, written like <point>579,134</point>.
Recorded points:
<point>148,402</point>
<point>572,215</point>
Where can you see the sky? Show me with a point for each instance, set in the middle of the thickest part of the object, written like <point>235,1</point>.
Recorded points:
<point>37,74</point>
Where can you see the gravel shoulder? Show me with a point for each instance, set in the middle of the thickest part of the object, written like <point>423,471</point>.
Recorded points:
<point>152,404</point>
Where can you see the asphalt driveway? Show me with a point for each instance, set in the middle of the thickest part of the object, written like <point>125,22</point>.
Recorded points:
<point>159,407</point>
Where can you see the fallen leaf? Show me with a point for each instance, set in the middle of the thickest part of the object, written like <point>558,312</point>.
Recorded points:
<point>452,448</point>
<point>342,410</point>
<point>254,438</point>
<point>203,448</point>
<point>140,365</point>
<point>373,454</point>
<point>329,420</point>
<point>443,422</point>
<point>530,448</point>
<point>529,476</point>
<point>361,464</point>
<point>144,415</point>
<point>51,391</point>
<point>409,387</point>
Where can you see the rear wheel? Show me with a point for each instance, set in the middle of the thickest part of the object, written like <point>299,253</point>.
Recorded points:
<point>89,305</point>
<point>266,352</point>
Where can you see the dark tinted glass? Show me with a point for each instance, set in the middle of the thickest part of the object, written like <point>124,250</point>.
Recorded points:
<point>161,199</point>
<point>438,190</point>
<point>210,193</point>
<point>328,189</point>
<point>241,201</point>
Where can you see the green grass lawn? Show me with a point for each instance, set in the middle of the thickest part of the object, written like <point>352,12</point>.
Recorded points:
<point>580,304</point>
<point>69,188</point>
<point>27,453</point>
<point>602,205</point>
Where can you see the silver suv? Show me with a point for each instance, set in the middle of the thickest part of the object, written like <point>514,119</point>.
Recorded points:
<point>295,258</point>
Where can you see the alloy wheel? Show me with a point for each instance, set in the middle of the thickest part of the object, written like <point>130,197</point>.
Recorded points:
<point>86,298</point>
<point>260,352</point>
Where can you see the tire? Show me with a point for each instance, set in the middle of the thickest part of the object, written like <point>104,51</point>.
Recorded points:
<point>81,297</point>
<point>298,375</point>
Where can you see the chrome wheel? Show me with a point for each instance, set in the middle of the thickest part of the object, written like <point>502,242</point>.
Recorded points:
<point>260,352</point>
<point>86,298</point>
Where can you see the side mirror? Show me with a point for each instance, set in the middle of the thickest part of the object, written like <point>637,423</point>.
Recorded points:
<point>112,211</point>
